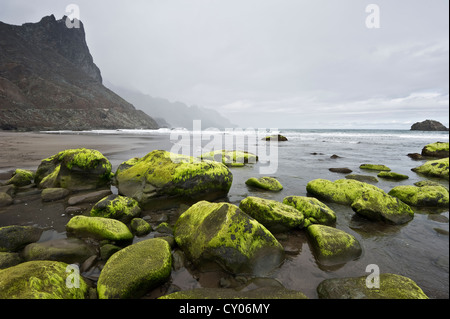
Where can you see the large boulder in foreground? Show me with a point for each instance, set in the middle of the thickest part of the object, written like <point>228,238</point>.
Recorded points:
<point>135,269</point>
<point>365,199</point>
<point>275,216</point>
<point>75,169</point>
<point>221,234</point>
<point>333,246</point>
<point>437,168</point>
<point>438,149</point>
<point>161,175</point>
<point>427,196</point>
<point>391,286</point>
<point>41,280</point>
<point>315,211</point>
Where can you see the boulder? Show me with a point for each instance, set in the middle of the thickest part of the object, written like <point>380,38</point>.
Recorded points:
<point>230,158</point>
<point>333,246</point>
<point>438,149</point>
<point>415,156</point>
<point>75,169</point>
<point>375,167</point>
<point>14,238</point>
<point>9,259</point>
<point>135,269</point>
<point>221,293</point>
<point>428,125</point>
<point>21,177</point>
<point>314,211</point>
<point>117,207</point>
<point>221,234</point>
<point>379,206</point>
<point>393,176</point>
<point>275,216</point>
<point>90,197</point>
<point>436,168</point>
<point>51,194</point>
<point>68,250</point>
<point>266,183</point>
<point>140,227</point>
<point>5,200</point>
<point>391,286</point>
<point>41,280</point>
<point>428,196</point>
<point>362,178</point>
<point>161,175</point>
<point>98,228</point>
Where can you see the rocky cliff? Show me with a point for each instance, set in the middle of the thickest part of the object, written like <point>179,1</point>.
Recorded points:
<point>48,81</point>
<point>428,125</point>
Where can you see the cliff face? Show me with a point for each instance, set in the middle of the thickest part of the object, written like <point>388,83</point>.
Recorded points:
<point>48,81</point>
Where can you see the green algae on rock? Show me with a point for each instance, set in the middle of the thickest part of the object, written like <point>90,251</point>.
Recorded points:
<point>15,237</point>
<point>140,227</point>
<point>314,211</point>
<point>425,196</point>
<point>74,169</point>
<point>161,175</point>
<point>21,177</point>
<point>230,158</point>
<point>333,246</point>
<point>267,183</point>
<point>117,207</point>
<point>438,149</point>
<point>362,178</point>
<point>436,168</point>
<point>98,228</point>
<point>41,280</point>
<point>221,293</point>
<point>393,176</point>
<point>221,234</point>
<point>275,216</point>
<point>375,167</point>
<point>391,286</point>
<point>135,269</point>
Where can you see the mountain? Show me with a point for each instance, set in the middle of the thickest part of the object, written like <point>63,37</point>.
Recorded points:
<point>173,114</point>
<point>428,125</point>
<point>48,81</point>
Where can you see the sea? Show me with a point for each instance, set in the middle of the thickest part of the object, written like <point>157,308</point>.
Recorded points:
<point>418,250</point>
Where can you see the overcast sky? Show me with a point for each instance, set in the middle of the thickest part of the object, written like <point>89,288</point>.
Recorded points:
<point>272,63</point>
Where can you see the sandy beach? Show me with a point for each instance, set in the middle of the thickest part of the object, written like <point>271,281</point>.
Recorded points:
<point>27,149</point>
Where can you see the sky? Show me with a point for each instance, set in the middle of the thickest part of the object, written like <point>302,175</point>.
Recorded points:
<point>273,63</point>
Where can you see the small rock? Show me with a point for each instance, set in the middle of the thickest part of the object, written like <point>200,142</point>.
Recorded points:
<point>266,183</point>
<point>118,207</point>
<point>416,156</point>
<point>51,194</point>
<point>375,167</point>
<point>278,137</point>
<point>343,170</point>
<point>21,177</point>
<point>392,176</point>
<point>98,228</point>
<point>363,178</point>
<point>140,227</point>
<point>91,197</point>
<point>5,200</point>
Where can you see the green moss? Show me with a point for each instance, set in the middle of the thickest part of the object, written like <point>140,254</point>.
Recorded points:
<point>392,286</point>
<point>140,227</point>
<point>267,183</point>
<point>136,269</point>
<point>438,149</point>
<point>437,168</point>
<point>436,196</point>
<point>333,246</point>
<point>315,211</point>
<point>98,227</point>
<point>39,280</point>
<point>276,216</point>
<point>21,177</point>
<point>118,207</point>
<point>230,158</point>
<point>392,175</point>
<point>376,167</point>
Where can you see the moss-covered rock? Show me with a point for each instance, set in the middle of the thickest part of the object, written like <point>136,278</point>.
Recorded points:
<point>333,246</point>
<point>14,238</point>
<point>393,176</point>
<point>5,199</point>
<point>161,175</point>
<point>432,196</point>
<point>221,234</point>
<point>136,269</point>
<point>230,158</point>
<point>275,216</point>
<point>68,250</point>
<point>392,286</point>
<point>41,280</point>
<point>21,177</point>
<point>75,169</point>
<point>437,168</point>
<point>314,211</point>
<point>362,178</point>
<point>99,228</point>
<point>9,259</point>
<point>438,149</point>
<point>375,167</point>
<point>117,207</point>
<point>379,206</point>
<point>140,227</point>
<point>266,183</point>
<point>51,194</point>
<point>219,293</point>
